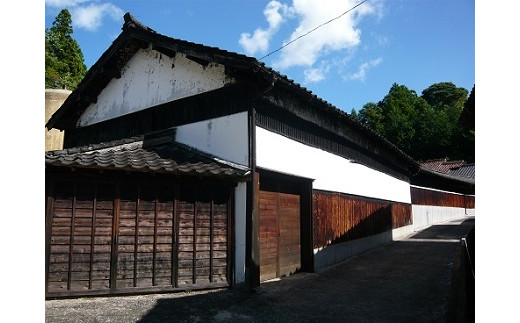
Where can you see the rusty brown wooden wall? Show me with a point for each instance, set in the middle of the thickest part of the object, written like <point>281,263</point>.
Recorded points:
<point>340,217</point>
<point>106,238</point>
<point>422,196</point>
<point>279,220</point>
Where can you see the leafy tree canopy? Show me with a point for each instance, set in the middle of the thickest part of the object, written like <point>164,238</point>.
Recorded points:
<point>424,127</point>
<point>64,63</point>
<point>465,135</point>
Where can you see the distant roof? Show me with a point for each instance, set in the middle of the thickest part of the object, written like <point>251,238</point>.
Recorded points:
<point>467,170</point>
<point>457,168</point>
<point>156,154</point>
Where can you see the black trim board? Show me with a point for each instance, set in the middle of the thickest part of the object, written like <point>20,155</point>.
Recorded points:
<point>225,101</point>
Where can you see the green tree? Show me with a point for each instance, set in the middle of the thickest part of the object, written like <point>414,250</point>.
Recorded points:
<point>444,95</point>
<point>465,135</point>
<point>354,114</point>
<point>423,126</point>
<point>64,63</point>
<point>372,115</point>
<point>447,101</point>
<point>399,115</point>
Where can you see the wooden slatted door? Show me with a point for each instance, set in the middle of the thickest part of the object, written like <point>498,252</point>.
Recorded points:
<point>203,242</point>
<point>80,238</point>
<point>145,241</point>
<point>105,239</point>
<point>279,217</point>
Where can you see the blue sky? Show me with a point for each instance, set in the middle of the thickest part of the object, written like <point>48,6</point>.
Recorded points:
<point>348,62</point>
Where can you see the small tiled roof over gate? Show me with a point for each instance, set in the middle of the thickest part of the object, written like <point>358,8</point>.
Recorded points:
<point>144,154</point>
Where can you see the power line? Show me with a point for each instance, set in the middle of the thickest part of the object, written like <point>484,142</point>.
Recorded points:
<point>323,24</point>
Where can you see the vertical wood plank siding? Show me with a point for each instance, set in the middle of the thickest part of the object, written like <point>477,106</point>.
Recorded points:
<point>340,217</point>
<point>106,238</point>
<point>279,221</point>
<point>421,196</point>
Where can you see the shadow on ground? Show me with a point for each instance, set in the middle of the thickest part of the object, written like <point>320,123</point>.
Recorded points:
<point>409,280</point>
<point>203,307</point>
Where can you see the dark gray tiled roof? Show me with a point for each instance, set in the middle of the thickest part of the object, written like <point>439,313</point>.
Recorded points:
<point>456,168</point>
<point>467,170</point>
<point>135,155</point>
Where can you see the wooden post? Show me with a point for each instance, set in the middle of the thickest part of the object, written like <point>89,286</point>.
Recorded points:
<point>71,243</point>
<point>92,236</point>
<point>48,230</point>
<point>115,237</point>
<point>136,231</point>
<point>175,233</point>
<point>194,270</point>
<point>175,249</point>
<point>154,253</point>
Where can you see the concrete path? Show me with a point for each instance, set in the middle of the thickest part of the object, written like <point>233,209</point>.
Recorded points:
<point>408,280</point>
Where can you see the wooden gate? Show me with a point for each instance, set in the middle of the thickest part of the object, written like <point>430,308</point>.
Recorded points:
<point>279,217</point>
<point>105,238</point>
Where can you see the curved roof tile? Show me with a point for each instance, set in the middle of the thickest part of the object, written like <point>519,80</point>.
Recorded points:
<point>171,157</point>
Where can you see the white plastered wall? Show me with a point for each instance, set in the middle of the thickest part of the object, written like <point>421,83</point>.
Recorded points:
<point>151,78</point>
<point>225,137</point>
<point>330,172</point>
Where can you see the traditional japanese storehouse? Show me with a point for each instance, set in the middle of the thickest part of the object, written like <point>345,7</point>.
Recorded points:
<point>186,166</point>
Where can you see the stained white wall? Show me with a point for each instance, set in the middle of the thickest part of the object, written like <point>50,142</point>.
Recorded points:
<point>151,78</point>
<point>225,137</point>
<point>330,172</point>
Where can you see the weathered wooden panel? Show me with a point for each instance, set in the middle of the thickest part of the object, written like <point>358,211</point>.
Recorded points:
<point>75,255</point>
<point>340,217</point>
<point>84,256</point>
<point>279,221</point>
<point>423,196</point>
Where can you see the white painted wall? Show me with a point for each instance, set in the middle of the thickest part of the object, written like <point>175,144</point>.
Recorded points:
<point>426,215</point>
<point>331,172</point>
<point>240,233</point>
<point>225,137</point>
<point>151,78</point>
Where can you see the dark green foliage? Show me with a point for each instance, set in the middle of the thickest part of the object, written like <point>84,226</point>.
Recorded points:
<point>372,115</point>
<point>445,95</point>
<point>64,64</point>
<point>424,127</point>
<point>354,114</point>
<point>465,135</point>
<point>467,117</point>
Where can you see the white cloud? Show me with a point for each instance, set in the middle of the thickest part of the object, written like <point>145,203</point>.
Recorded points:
<point>275,13</point>
<point>313,75</point>
<point>340,35</point>
<point>337,35</point>
<point>64,3</point>
<point>361,73</point>
<point>88,16</point>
